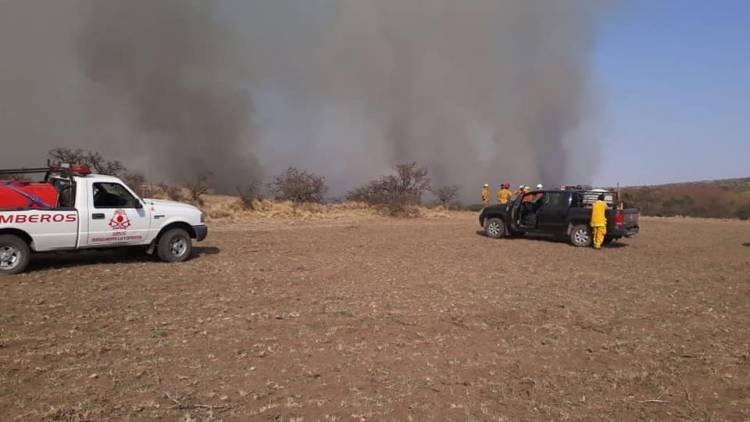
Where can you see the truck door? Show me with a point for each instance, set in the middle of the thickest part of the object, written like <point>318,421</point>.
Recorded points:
<point>551,217</point>
<point>116,216</point>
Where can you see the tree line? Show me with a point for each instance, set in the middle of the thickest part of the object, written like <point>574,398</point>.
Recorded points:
<point>398,193</point>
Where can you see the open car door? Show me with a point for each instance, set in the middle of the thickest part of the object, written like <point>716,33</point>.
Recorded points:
<point>515,206</point>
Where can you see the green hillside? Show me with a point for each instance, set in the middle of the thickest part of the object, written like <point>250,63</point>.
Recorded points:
<point>729,198</point>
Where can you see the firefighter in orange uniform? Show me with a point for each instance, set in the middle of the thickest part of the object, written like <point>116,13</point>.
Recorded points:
<point>504,194</point>
<point>599,221</point>
<point>486,195</point>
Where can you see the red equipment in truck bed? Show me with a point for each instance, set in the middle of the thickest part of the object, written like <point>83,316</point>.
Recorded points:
<point>23,195</point>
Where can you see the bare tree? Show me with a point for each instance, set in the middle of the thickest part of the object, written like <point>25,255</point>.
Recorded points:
<point>172,192</point>
<point>100,165</point>
<point>136,181</point>
<point>92,159</point>
<point>299,186</point>
<point>446,194</point>
<point>249,194</point>
<point>398,193</point>
<point>199,186</point>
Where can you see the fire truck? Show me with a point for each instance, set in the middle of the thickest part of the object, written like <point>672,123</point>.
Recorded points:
<point>71,209</point>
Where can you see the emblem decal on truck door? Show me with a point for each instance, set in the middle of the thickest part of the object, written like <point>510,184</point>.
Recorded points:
<point>119,221</point>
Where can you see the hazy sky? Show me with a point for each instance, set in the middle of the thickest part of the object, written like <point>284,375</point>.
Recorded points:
<point>670,81</point>
<point>674,78</point>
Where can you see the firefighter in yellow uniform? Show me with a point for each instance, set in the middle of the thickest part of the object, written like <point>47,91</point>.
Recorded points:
<point>486,195</point>
<point>504,194</point>
<point>599,221</point>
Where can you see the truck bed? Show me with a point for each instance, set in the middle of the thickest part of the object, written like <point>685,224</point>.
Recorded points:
<point>629,226</point>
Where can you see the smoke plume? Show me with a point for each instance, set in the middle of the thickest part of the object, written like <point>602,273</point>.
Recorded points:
<point>167,62</point>
<point>480,90</point>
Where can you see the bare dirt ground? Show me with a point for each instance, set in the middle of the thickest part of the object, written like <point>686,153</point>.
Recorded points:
<point>386,320</point>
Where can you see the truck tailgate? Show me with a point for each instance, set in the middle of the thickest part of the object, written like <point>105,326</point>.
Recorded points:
<point>630,221</point>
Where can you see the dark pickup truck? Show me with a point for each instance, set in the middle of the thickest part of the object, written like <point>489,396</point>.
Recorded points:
<point>561,213</point>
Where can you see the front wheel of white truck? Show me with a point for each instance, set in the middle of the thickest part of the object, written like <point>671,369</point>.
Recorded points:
<point>174,246</point>
<point>14,254</point>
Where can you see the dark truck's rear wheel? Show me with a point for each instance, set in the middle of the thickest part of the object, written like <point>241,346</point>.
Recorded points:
<point>14,254</point>
<point>608,240</point>
<point>494,228</point>
<point>174,246</point>
<point>581,236</point>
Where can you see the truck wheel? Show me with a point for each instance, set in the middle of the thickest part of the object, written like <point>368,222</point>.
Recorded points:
<point>580,236</point>
<point>174,246</point>
<point>494,228</point>
<point>14,254</point>
<point>608,240</point>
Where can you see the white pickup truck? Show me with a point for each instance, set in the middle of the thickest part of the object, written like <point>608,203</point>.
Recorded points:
<point>93,211</point>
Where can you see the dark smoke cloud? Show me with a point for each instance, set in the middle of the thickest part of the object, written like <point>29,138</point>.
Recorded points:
<point>480,90</point>
<point>168,62</point>
<point>477,90</point>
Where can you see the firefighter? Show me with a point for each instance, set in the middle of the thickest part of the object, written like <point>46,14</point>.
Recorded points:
<point>486,195</point>
<point>599,221</point>
<point>526,198</point>
<point>504,194</point>
<point>539,196</point>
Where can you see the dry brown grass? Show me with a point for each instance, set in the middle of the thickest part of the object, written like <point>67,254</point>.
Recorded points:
<point>231,209</point>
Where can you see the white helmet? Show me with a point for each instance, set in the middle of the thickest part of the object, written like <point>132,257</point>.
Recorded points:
<point>521,187</point>
<point>539,186</point>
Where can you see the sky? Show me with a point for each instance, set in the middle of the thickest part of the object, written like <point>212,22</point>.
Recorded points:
<point>670,102</point>
<point>673,79</point>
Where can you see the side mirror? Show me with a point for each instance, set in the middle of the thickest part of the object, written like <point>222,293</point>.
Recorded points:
<point>138,205</point>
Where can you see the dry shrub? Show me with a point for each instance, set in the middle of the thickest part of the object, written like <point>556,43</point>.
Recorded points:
<point>166,191</point>
<point>152,191</point>
<point>250,195</point>
<point>137,182</point>
<point>219,207</point>
<point>396,195</point>
<point>743,212</point>
<point>198,187</point>
<point>232,209</point>
<point>163,191</point>
<point>299,186</point>
<point>446,195</point>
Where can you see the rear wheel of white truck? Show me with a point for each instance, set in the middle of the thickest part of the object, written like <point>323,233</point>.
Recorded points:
<point>14,254</point>
<point>174,246</point>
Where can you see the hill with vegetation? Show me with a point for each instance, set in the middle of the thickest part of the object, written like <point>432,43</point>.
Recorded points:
<point>729,198</point>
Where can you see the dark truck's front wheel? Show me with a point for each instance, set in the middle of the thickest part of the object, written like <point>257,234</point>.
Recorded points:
<point>580,235</point>
<point>14,254</point>
<point>494,228</point>
<point>174,246</point>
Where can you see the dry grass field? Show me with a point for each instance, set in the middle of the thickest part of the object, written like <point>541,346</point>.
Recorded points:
<point>361,317</point>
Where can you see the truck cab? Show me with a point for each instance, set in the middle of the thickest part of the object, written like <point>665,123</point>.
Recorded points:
<point>93,211</point>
